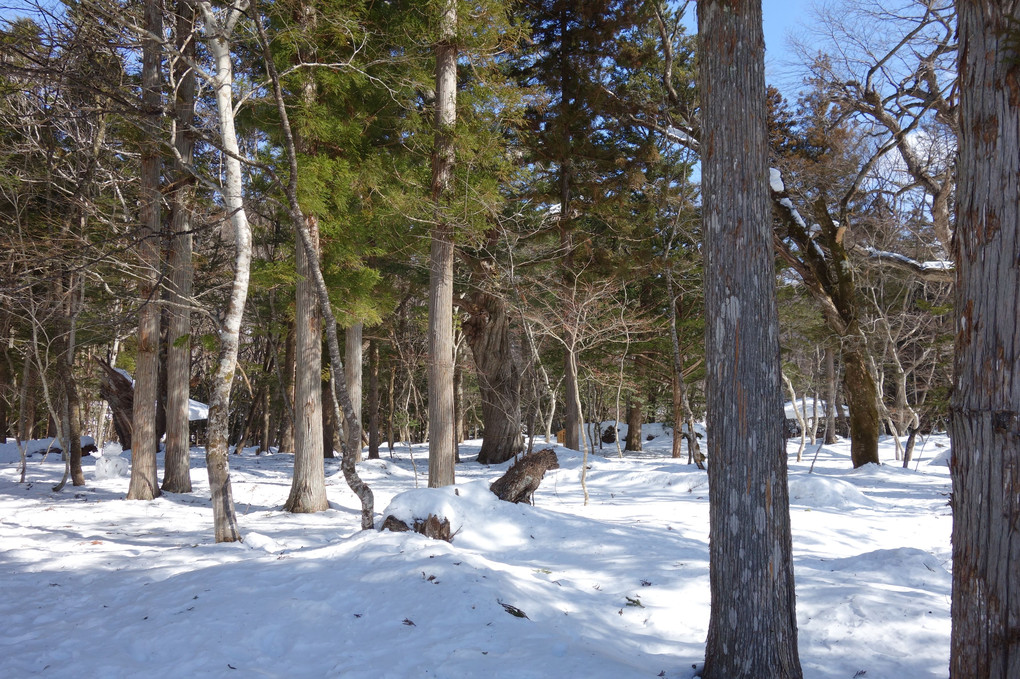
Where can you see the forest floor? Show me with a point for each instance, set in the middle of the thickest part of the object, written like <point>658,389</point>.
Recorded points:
<point>96,586</point>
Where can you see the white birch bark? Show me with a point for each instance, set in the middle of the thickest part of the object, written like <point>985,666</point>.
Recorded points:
<point>218,29</point>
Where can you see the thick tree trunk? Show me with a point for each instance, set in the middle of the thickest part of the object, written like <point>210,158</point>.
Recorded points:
<point>440,375</point>
<point>144,485</point>
<point>753,624</point>
<point>487,332</point>
<point>120,394</point>
<point>984,410</point>
<point>177,466</point>
<point>308,485</point>
<point>634,421</point>
<point>862,402</point>
<point>373,399</point>
<point>353,373</point>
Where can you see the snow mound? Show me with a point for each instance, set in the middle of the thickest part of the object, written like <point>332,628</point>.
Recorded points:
<point>943,459</point>
<point>110,464</point>
<point>262,542</point>
<point>478,519</point>
<point>902,567</point>
<point>821,491</point>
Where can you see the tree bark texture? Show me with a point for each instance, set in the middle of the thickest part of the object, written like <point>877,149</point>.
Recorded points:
<point>218,31</point>
<point>373,400</point>
<point>144,484</point>
<point>442,447</point>
<point>984,419</point>
<point>308,484</point>
<point>6,393</point>
<point>353,371</point>
<point>753,624</point>
<point>634,421</point>
<point>862,403</point>
<point>287,392</point>
<point>177,466</point>
<point>487,331</point>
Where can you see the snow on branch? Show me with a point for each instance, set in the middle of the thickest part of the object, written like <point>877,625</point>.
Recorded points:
<point>938,271</point>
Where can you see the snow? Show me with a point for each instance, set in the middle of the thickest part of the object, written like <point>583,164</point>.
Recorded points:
<point>110,464</point>
<point>196,410</point>
<point>98,586</point>
<point>9,452</point>
<point>776,180</point>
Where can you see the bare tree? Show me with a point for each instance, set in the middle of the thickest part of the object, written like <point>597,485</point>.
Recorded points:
<point>984,420</point>
<point>753,623</point>
<point>891,65</point>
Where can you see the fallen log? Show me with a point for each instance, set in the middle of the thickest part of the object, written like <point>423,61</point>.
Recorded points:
<point>522,479</point>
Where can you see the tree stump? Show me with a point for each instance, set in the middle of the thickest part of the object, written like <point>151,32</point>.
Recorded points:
<point>521,480</point>
<point>432,527</point>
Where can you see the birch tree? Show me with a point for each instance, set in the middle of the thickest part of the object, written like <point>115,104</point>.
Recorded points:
<point>219,27</point>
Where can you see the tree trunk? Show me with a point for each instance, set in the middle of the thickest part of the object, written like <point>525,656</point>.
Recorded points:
<point>6,389</point>
<point>308,485</point>
<point>862,402</point>
<point>373,399</point>
<point>144,485</point>
<point>287,391</point>
<point>634,420</point>
<point>487,331</point>
<point>264,435</point>
<point>984,419</point>
<point>753,624</point>
<point>217,458</point>
<point>678,421</point>
<point>329,424</point>
<point>337,380</point>
<point>353,370</point>
<point>571,409</point>
<point>120,394</point>
<point>390,411</point>
<point>26,407</point>
<point>830,396</point>
<point>440,382</point>
<point>177,465</point>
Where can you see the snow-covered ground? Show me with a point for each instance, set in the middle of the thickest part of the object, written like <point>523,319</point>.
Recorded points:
<point>95,586</point>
